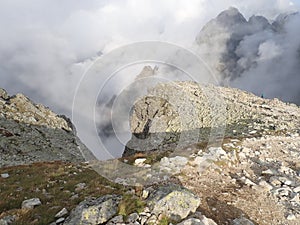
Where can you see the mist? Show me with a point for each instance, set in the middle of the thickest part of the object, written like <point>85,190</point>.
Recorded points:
<point>255,54</point>
<point>47,46</point>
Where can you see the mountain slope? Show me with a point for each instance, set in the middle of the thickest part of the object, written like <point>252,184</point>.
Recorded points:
<point>31,133</point>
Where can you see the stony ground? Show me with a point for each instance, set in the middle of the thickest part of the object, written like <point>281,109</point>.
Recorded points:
<point>260,180</point>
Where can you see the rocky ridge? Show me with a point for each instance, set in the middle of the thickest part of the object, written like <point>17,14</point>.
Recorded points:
<point>253,177</point>
<point>259,155</point>
<point>171,109</point>
<point>31,132</point>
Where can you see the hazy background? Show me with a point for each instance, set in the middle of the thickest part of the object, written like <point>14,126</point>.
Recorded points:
<point>46,46</point>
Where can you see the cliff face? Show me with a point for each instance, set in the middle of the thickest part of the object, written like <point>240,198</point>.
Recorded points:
<point>225,33</point>
<point>31,132</point>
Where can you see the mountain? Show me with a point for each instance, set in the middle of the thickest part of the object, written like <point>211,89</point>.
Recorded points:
<point>238,151</point>
<point>30,133</point>
<point>227,31</point>
<point>254,155</point>
<point>199,154</point>
<point>255,54</point>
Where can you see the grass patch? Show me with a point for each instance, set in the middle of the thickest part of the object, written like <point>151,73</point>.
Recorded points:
<point>54,183</point>
<point>129,204</point>
<point>164,220</point>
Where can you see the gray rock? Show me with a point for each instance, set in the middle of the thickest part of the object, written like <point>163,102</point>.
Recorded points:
<point>152,220</point>
<point>145,193</point>
<point>296,199</point>
<point>3,94</point>
<point>282,192</point>
<point>60,220</point>
<point>143,219</point>
<point>140,162</point>
<point>291,217</point>
<point>265,186</point>
<point>193,221</point>
<point>79,187</point>
<point>174,201</point>
<point>7,220</point>
<point>4,175</point>
<point>132,218</point>
<point>173,164</point>
<point>61,213</point>
<point>3,222</point>
<point>275,181</point>
<point>297,189</point>
<point>74,197</point>
<point>116,220</point>
<point>285,180</point>
<point>242,221</point>
<point>95,211</point>
<point>268,171</point>
<point>31,203</point>
<point>247,181</point>
<point>207,221</point>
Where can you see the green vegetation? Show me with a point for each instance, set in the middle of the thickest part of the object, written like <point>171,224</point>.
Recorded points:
<point>55,184</point>
<point>164,220</point>
<point>130,204</point>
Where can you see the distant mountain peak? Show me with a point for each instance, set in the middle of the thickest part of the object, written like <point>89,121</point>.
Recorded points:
<point>231,17</point>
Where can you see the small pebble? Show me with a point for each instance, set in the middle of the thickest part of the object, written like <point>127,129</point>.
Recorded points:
<point>291,217</point>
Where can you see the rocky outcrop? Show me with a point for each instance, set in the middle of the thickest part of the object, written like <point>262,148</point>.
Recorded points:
<point>31,132</point>
<point>188,109</point>
<point>173,201</point>
<point>22,110</point>
<point>169,202</point>
<point>31,203</point>
<point>95,211</point>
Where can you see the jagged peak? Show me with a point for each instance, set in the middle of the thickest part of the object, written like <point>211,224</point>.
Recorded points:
<point>147,71</point>
<point>230,17</point>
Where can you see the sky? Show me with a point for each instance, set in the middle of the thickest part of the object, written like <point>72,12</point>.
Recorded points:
<point>46,46</point>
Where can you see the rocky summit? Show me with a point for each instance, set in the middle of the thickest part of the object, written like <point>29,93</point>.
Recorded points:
<point>31,132</point>
<point>196,112</point>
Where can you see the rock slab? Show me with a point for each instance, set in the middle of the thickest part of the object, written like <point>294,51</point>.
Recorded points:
<point>173,201</point>
<point>95,211</point>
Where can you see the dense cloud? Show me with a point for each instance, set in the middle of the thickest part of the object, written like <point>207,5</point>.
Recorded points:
<point>45,46</point>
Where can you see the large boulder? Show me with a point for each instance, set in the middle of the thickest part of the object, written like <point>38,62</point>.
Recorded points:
<point>173,201</point>
<point>95,211</point>
<point>31,203</point>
